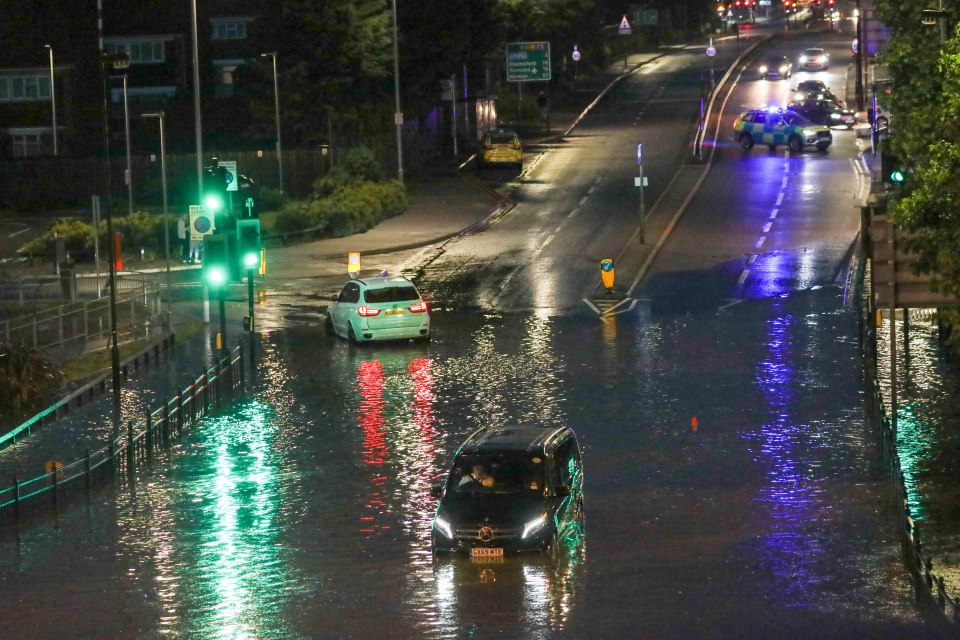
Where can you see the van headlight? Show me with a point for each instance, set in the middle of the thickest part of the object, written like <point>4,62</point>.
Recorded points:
<point>534,525</point>
<point>834,116</point>
<point>443,527</point>
<point>763,68</point>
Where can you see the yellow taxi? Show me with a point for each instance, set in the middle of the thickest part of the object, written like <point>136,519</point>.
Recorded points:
<point>500,147</point>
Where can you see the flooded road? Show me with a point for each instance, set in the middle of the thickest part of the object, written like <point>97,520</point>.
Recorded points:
<point>731,491</point>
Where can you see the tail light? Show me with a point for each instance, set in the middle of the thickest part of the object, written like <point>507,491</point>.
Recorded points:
<point>367,312</point>
<point>420,307</point>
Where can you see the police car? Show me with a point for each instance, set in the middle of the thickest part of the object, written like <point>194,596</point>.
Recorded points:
<point>774,126</point>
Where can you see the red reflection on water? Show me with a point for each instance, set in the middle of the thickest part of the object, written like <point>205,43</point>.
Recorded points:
<point>423,398</point>
<point>370,417</point>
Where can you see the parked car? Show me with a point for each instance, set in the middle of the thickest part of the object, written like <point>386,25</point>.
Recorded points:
<point>774,127</point>
<point>826,112</point>
<point>775,68</point>
<point>500,147</point>
<point>510,489</point>
<point>814,59</point>
<point>382,308</point>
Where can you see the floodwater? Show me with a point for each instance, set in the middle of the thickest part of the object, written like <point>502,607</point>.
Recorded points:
<point>732,491</point>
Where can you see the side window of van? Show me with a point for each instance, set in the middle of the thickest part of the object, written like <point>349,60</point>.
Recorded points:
<point>567,461</point>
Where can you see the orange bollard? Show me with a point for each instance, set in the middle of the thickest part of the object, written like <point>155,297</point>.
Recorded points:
<point>117,257</point>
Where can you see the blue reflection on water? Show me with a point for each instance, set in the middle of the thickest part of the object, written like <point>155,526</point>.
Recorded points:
<point>788,498</point>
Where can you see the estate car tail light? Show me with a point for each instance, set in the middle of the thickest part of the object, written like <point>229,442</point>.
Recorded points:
<point>367,312</point>
<point>420,307</point>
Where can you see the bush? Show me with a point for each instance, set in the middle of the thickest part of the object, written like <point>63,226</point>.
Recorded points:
<point>271,200</point>
<point>77,238</point>
<point>141,230</point>
<point>393,198</point>
<point>362,165</point>
<point>296,217</point>
<point>27,378</point>
<point>334,180</point>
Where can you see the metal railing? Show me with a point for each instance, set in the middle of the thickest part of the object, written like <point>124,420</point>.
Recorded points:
<point>209,393</point>
<point>137,305</point>
<point>928,586</point>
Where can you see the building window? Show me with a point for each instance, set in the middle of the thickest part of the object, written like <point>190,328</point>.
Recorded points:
<point>24,88</point>
<point>140,52</point>
<point>26,143</point>
<point>230,30</point>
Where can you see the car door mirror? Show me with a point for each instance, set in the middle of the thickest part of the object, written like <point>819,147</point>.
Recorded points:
<point>436,491</point>
<point>335,297</point>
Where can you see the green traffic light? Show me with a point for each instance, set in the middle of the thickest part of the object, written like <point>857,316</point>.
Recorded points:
<point>216,276</point>
<point>251,260</point>
<point>897,176</point>
<point>213,202</point>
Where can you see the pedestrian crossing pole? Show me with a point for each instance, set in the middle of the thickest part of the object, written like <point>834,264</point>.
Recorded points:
<point>640,182</point>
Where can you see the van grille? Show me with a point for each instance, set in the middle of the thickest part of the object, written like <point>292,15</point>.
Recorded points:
<point>496,533</point>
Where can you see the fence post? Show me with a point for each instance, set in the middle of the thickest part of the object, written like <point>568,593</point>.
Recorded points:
<point>165,424</point>
<point>113,454</point>
<point>16,498</point>
<point>179,414</point>
<point>130,452</point>
<point>149,434</point>
<point>86,471</point>
<point>243,379</point>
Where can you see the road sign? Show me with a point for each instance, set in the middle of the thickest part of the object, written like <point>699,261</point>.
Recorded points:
<point>528,61</point>
<point>398,118</point>
<point>645,17</point>
<point>711,51</point>
<point>576,54</point>
<point>249,205</point>
<point>624,28</point>
<point>201,222</point>
<point>854,45</point>
<point>639,153</point>
<point>231,177</point>
<point>640,182</point>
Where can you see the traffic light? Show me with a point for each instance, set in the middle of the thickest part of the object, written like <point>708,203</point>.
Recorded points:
<point>892,168</point>
<point>216,267</point>
<point>215,196</point>
<point>248,243</point>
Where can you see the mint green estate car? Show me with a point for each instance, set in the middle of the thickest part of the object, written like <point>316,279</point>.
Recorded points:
<point>381,308</point>
<point>775,126</point>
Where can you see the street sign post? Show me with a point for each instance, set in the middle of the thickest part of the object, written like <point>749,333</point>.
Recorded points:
<point>231,177</point>
<point>640,182</point>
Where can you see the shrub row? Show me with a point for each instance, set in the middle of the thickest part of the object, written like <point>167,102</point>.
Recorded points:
<point>351,208</point>
<point>139,230</point>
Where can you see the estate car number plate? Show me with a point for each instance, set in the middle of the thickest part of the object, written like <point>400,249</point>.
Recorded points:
<point>394,312</point>
<point>486,552</point>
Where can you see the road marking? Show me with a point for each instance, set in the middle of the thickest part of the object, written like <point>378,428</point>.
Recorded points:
<point>766,227</point>
<point>783,184</point>
<point>730,304</point>
<point>779,199</point>
<point>583,201</point>
<point>760,242</point>
<point>773,214</point>
<point>592,306</point>
<point>743,276</point>
<point>16,233</point>
<point>751,259</point>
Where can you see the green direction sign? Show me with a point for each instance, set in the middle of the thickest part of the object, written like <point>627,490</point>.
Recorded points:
<point>528,61</point>
<point>645,17</point>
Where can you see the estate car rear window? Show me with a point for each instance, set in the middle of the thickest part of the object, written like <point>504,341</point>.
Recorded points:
<point>391,294</point>
<point>503,138</point>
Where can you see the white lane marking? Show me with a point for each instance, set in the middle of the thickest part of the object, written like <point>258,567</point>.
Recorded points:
<point>730,304</point>
<point>786,167</point>
<point>16,233</point>
<point>779,199</point>
<point>610,310</point>
<point>751,259</point>
<point>536,254</point>
<point>766,227</point>
<point>593,306</point>
<point>783,184</point>
<point>583,201</point>
<point>773,214</point>
<point>743,276</point>
<point>760,242</point>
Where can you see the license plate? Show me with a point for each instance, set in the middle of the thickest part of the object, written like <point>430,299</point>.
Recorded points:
<point>486,552</point>
<point>394,312</point>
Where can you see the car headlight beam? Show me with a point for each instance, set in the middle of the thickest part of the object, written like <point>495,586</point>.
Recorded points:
<point>534,525</point>
<point>443,527</point>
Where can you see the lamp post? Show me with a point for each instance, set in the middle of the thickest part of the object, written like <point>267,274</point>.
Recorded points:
<point>276,111</point>
<point>198,129</point>
<point>126,133</point>
<point>397,115</point>
<point>160,116</point>
<point>53,99</point>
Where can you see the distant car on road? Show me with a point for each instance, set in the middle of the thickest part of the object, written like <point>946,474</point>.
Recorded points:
<point>825,112</point>
<point>775,68</point>
<point>501,147</point>
<point>774,126</point>
<point>383,308</point>
<point>807,87</point>
<point>814,59</point>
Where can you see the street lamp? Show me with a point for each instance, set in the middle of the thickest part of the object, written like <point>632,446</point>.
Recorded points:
<point>397,115</point>
<point>276,110</point>
<point>160,116</point>
<point>53,100</point>
<point>198,129</point>
<point>126,132</point>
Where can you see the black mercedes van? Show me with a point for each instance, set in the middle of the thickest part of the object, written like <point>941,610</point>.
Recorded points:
<point>512,488</point>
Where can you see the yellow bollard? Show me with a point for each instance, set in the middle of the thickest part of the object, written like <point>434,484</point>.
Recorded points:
<point>219,340</point>
<point>606,273</point>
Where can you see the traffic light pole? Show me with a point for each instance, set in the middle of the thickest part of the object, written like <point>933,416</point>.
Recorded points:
<point>221,296</point>
<point>250,334</point>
